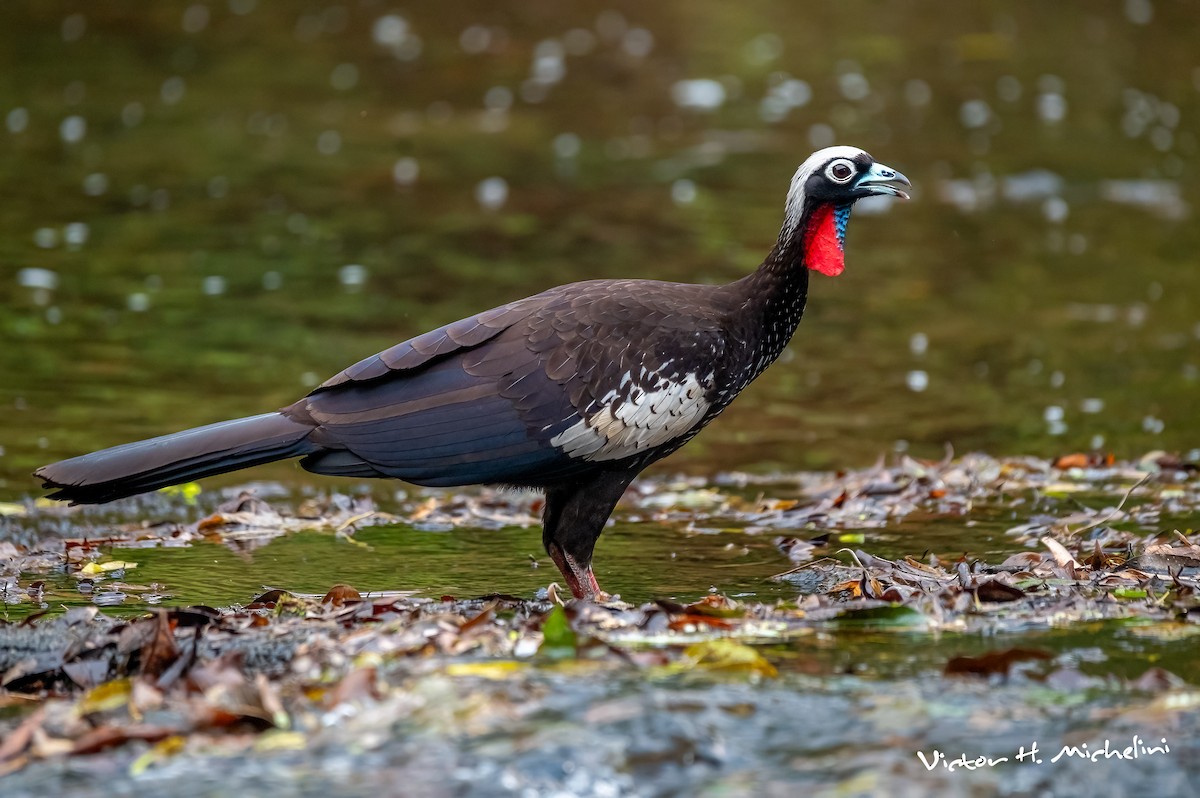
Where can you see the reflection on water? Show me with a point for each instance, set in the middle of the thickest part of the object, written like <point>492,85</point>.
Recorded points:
<point>211,207</point>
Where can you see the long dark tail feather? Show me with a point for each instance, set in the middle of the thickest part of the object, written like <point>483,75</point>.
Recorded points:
<point>134,468</point>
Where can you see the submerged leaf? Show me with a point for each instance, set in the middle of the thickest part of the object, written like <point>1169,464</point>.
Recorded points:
<point>889,617</point>
<point>727,656</point>
<point>992,662</point>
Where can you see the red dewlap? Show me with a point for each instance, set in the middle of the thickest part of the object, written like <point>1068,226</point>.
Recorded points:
<point>822,243</point>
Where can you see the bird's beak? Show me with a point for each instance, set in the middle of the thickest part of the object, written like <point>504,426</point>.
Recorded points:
<point>876,180</point>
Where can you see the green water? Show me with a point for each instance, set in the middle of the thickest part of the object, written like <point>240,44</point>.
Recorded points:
<point>232,164</point>
<point>640,562</point>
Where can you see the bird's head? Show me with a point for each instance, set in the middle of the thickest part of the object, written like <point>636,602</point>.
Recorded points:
<point>823,190</point>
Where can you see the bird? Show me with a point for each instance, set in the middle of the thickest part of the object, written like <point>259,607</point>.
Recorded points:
<point>572,392</point>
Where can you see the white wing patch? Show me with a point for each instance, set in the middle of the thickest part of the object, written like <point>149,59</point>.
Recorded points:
<point>627,426</point>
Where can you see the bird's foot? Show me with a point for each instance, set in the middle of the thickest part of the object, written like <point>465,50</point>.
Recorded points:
<point>579,578</point>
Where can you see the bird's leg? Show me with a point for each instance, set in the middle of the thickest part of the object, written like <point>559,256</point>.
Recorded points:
<point>580,579</point>
<point>574,517</point>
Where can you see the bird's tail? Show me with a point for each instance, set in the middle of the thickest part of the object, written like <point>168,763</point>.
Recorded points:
<point>171,459</point>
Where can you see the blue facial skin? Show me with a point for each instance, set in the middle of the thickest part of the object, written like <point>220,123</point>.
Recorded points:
<point>841,217</point>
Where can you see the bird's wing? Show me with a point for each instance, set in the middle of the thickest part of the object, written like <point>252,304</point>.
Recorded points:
<point>424,349</point>
<point>577,376</point>
<point>640,362</point>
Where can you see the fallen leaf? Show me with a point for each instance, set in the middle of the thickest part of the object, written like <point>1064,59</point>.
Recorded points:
<point>105,697</point>
<point>1164,555</point>
<point>890,616</point>
<point>94,568</point>
<point>558,638</point>
<point>727,656</point>
<point>87,673</point>
<point>160,651</point>
<point>1076,460</point>
<point>277,740</point>
<point>992,662</point>
<point>18,740</point>
<point>356,687</point>
<point>693,620</point>
<point>339,595</point>
<point>1060,554</point>
<point>717,606</point>
<point>996,591</point>
<point>104,737</point>
<point>496,671</point>
<point>159,752</point>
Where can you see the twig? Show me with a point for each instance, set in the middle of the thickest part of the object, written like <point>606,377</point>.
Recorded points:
<point>1117,510</point>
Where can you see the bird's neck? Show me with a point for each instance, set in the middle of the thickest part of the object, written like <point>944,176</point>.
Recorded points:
<point>771,300</point>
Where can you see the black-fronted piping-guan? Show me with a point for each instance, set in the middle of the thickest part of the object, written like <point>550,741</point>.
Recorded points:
<point>572,391</point>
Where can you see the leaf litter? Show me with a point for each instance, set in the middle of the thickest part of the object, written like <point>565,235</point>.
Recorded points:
<point>1092,547</point>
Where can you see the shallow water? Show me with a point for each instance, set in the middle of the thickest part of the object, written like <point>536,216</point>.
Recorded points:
<point>206,212</point>
<point>639,561</point>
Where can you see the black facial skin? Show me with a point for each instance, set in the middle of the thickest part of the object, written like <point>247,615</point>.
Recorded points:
<point>820,188</point>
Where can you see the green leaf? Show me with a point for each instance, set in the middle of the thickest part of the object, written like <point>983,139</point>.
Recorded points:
<point>894,616</point>
<point>558,638</point>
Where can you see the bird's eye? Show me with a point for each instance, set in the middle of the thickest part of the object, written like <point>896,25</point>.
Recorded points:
<point>840,171</point>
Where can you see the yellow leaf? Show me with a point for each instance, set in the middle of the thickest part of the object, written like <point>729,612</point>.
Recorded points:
<point>728,656</point>
<point>189,491</point>
<point>105,697</point>
<point>93,568</point>
<point>163,749</point>
<point>11,508</point>
<point>496,671</point>
<point>280,741</point>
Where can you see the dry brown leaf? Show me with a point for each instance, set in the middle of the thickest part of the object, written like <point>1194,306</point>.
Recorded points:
<point>160,651</point>
<point>339,595</point>
<point>356,688</point>
<point>108,736</point>
<point>996,591</point>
